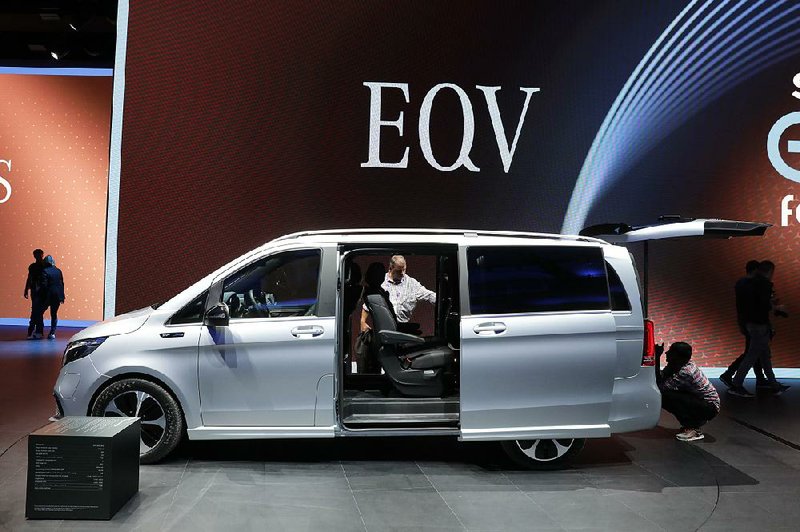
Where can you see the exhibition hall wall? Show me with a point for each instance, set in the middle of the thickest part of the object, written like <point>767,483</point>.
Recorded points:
<point>54,156</point>
<point>242,123</point>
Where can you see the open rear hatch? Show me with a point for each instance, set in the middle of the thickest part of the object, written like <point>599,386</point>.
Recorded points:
<point>671,227</point>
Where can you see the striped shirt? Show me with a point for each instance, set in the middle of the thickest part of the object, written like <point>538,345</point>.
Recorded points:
<point>691,379</point>
<point>405,295</point>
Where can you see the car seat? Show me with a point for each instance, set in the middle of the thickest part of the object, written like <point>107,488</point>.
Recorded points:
<point>415,370</point>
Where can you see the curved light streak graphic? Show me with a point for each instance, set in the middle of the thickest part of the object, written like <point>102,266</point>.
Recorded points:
<point>669,112</point>
<point>682,73</point>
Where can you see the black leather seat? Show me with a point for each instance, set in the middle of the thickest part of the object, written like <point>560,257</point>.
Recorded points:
<point>415,369</point>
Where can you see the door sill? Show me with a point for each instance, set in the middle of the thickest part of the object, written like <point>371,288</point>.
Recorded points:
<point>255,433</point>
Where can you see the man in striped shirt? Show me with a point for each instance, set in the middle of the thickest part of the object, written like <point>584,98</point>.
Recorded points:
<point>404,291</point>
<point>404,294</point>
<point>686,393</point>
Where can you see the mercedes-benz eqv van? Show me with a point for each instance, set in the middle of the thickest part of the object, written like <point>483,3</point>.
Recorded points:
<point>535,341</point>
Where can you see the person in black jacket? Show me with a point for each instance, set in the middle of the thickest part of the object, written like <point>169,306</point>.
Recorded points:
<point>53,289</point>
<point>741,290</point>
<point>756,317</point>
<point>33,286</point>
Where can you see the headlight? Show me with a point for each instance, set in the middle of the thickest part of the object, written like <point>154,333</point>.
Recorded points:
<point>81,348</point>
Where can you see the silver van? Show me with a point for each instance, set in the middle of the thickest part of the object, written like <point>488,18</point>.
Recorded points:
<point>535,341</point>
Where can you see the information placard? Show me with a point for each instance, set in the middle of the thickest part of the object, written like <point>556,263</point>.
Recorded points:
<point>82,468</point>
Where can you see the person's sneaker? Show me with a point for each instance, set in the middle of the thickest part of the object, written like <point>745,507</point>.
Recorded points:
<point>51,336</point>
<point>37,336</point>
<point>779,389</point>
<point>740,391</point>
<point>764,385</point>
<point>31,337</point>
<point>726,380</point>
<point>689,435</point>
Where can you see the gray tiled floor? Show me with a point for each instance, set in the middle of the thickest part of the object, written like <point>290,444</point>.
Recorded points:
<point>736,479</point>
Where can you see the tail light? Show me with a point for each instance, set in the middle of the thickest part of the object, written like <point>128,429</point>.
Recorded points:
<point>649,349</point>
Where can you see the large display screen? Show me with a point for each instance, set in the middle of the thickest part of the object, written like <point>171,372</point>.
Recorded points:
<point>244,121</point>
<point>54,156</point>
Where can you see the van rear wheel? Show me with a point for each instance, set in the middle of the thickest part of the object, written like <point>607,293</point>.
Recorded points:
<point>542,454</point>
<point>159,415</point>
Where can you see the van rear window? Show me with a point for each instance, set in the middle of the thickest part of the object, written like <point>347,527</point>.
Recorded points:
<point>619,298</point>
<point>521,279</point>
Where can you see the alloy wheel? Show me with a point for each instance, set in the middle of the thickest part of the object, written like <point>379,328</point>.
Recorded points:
<point>136,403</point>
<point>545,450</point>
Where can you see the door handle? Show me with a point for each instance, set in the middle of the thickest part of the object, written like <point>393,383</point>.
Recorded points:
<point>172,335</point>
<point>489,328</point>
<point>307,330</point>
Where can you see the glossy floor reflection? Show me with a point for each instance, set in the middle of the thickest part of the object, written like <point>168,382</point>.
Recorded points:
<point>738,478</point>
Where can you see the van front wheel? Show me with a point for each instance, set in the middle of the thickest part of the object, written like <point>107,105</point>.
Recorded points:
<point>159,415</point>
<point>542,454</point>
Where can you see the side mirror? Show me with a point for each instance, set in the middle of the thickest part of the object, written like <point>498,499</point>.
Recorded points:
<point>217,316</point>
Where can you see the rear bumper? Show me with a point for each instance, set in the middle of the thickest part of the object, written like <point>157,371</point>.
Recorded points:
<point>635,403</point>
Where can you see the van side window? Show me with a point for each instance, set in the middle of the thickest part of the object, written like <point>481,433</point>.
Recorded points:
<point>517,279</point>
<point>619,298</point>
<point>277,286</point>
<point>192,312</point>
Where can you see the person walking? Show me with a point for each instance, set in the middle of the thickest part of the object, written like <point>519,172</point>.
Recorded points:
<point>741,289</point>
<point>757,309</point>
<point>686,392</point>
<point>53,291</point>
<point>34,288</point>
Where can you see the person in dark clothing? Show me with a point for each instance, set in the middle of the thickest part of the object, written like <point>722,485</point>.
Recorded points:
<point>53,292</point>
<point>33,286</point>
<point>686,392</point>
<point>740,289</point>
<point>757,309</point>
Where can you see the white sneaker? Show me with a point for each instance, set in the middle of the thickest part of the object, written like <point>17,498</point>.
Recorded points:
<point>51,336</point>
<point>690,435</point>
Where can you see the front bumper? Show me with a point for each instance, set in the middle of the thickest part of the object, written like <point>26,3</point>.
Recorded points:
<point>76,385</point>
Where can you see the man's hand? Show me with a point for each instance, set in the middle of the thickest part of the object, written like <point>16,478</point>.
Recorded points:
<point>25,295</point>
<point>364,327</point>
<point>659,350</point>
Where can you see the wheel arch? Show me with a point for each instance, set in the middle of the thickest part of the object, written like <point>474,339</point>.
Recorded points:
<point>143,376</point>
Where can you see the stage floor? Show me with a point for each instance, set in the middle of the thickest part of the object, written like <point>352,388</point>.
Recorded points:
<point>744,476</point>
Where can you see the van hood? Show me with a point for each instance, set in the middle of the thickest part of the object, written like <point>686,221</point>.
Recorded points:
<point>122,324</point>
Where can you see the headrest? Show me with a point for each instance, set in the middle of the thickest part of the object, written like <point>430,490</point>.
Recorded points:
<point>352,274</point>
<point>376,273</point>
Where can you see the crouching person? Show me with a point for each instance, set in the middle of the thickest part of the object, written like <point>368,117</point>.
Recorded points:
<point>686,393</point>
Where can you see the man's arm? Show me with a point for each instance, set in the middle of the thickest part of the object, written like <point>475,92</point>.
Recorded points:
<point>423,294</point>
<point>659,373</point>
<point>364,314</point>
<point>28,286</point>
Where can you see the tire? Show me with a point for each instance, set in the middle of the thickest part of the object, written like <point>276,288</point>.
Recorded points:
<point>160,416</point>
<point>544,454</point>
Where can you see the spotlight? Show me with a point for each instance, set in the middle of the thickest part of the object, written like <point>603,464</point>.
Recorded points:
<point>59,54</point>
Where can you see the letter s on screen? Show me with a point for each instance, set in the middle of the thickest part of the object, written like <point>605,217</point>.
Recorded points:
<point>5,184</point>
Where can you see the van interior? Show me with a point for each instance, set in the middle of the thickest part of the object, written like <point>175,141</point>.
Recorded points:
<point>404,374</point>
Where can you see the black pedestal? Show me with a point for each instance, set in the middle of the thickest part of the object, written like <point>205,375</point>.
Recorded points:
<point>82,467</point>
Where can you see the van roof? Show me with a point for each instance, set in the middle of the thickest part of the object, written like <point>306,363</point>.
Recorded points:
<point>457,234</point>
